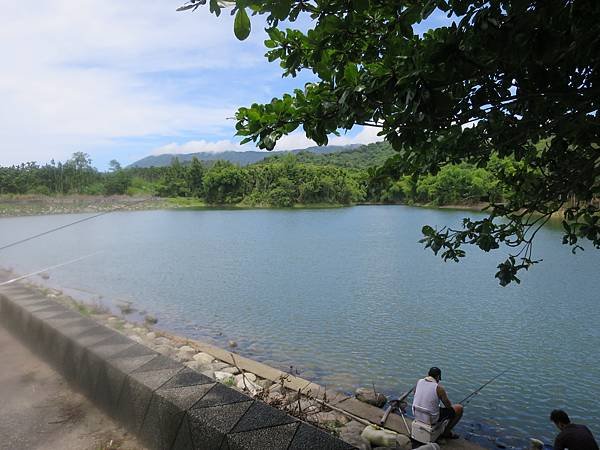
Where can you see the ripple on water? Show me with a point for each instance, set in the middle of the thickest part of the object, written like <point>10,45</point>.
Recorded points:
<point>349,297</point>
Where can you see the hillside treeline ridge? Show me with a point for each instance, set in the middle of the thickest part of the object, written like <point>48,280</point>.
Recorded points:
<point>240,158</point>
<point>303,178</point>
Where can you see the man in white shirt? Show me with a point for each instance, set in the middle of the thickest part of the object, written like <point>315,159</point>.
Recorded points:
<point>426,403</point>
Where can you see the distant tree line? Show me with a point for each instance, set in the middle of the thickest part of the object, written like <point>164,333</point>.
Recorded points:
<point>75,176</point>
<point>461,184</point>
<point>294,179</point>
<point>281,183</point>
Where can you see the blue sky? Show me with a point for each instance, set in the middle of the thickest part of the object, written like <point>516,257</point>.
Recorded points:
<point>122,80</point>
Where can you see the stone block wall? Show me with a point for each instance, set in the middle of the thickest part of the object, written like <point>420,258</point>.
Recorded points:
<point>167,405</point>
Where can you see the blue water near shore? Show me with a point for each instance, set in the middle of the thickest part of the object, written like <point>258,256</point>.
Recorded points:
<point>348,297</point>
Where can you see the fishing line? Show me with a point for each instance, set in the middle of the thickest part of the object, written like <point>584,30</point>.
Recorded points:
<point>466,400</point>
<point>49,268</point>
<point>4,247</point>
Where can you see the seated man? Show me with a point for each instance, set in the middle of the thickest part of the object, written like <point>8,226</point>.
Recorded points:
<point>571,436</point>
<point>426,403</point>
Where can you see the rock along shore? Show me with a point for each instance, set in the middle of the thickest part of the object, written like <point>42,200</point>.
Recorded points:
<point>163,402</point>
<point>342,416</point>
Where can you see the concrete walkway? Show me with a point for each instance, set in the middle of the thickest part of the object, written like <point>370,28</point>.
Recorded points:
<point>39,410</point>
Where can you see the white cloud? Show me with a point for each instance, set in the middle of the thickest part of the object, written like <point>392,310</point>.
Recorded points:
<point>298,140</point>
<point>101,76</point>
<point>293,141</point>
<point>366,136</point>
<point>201,146</point>
<point>77,74</point>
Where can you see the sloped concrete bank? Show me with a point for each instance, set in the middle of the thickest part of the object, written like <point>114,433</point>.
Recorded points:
<point>166,404</point>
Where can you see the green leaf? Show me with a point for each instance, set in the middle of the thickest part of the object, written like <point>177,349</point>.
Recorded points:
<point>253,114</point>
<point>360,6</point>
<point>427,230</point>
<point>241,24</point>
<point>428,9</point>
<point>405,29</point>
<point>215,7</point>
<point>281,9</point>
<point>351,73</point>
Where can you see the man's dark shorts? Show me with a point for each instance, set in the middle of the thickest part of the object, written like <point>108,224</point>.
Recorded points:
<point>446,413</point>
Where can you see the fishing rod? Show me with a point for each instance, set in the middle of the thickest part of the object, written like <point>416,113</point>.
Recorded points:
<point>49,268</point>
<point>12,244</point>
<point>467,399</point>
<point>397,405</point>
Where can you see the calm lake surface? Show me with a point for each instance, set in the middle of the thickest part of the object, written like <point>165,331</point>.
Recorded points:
<point>348,297</point>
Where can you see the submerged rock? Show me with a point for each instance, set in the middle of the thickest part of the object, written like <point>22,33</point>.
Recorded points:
<point>151,320</point>
<point>368,395</point>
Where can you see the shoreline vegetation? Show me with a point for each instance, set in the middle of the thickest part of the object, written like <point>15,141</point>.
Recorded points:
<point>363,175</point>
<point>34,205</point>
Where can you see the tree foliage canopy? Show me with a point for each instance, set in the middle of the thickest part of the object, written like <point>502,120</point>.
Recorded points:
<point>515,79</point>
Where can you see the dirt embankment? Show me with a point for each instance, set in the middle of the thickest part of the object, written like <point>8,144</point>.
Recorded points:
<point>29,205</point>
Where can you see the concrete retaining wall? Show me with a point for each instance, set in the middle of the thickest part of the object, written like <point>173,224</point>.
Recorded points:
<point>164,403</point>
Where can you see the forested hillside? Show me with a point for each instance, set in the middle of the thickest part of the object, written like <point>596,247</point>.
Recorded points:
<point>235,157</point>
<point>371,155</point>
<point>341,178</point>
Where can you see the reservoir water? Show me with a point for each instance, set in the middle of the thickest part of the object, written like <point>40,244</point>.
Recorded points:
<point>348,297</point>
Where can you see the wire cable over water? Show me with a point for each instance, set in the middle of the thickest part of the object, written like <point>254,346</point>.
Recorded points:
<point>21,241</point>
<point>49,268</point>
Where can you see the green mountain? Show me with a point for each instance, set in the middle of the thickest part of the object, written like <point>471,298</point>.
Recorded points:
<point>358,158</point>
<point>239,158</point>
